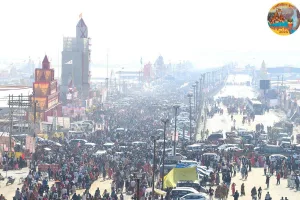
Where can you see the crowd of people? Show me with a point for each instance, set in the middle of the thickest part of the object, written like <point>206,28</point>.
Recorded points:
<point>124,150</point>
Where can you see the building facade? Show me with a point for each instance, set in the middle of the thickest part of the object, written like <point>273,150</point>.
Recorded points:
<point>45,93</point>
<point>148,72</point>
<point>76,63</point>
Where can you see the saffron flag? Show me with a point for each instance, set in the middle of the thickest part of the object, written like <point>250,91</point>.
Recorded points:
<point>180,174</point>
<point>80,16</point>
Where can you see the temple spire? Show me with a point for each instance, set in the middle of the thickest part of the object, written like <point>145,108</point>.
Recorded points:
<point>46,63</point>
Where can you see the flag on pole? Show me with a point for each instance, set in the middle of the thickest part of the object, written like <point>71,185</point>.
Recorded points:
<point>141,61</point>
<point>80,16</point>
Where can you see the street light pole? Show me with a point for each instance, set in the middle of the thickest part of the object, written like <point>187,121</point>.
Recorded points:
<point>197,97</point>
<point>190,95</point>
<point>194,95</point>
<point>165,121</point>
<point>175,132</point>
<point>154,164</point>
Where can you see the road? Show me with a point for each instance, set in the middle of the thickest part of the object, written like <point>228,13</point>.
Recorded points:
<point>256,177</point>
<point>9,191</point>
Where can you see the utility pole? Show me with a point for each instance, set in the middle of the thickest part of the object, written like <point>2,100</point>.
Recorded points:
<point>107,86</point>
<point>190,95</point>
<point>175,131</point>
<point>154,163</point>
<point>165,121</point>
<point>278,84</point>
<point>197,96</point>
<point>194,95</point>
<point>281,102</point>
<point>11,121</point>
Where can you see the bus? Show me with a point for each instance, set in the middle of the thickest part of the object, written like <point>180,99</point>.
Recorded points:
<point>255,106</point>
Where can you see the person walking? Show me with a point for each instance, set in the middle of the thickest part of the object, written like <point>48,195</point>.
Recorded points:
<point>259,193</point>
<point>265,168</point>
<point>243,189</point>
<point>236,195</point>
<point>254,193</point>
<point>233,188</point>
<point>268,181</point>
<point>278,178</point>
<point>211,193</point>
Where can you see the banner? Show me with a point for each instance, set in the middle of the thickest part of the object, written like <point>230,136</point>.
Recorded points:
<point>61,121</point>
<point>176,136</point>
<point>53,87</point>
<point>30,144</point>
<point>41,89</point>
<point>184,165</point>
<point>44,75</point>
<point>42,102</point>
<point>180,174</point>
<point>44,167</point>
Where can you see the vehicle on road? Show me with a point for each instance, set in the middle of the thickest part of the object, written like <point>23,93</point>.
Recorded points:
<point>269,149</point>
<point>10,180</point>
<point>215,136</point>
<point>200,196</point>
<point>275,157</point>
<point>182,191</point>
<point>255,106</point>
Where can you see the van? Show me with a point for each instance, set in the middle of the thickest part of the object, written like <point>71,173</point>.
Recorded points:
<point>210,156</point>
<point>195,147</point>
<point>139,143</point>
<point>181,191</point>
<point>271,149</point>
<point>215,137</point>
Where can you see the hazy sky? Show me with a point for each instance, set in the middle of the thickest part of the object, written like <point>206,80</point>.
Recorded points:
<point>208,33</point>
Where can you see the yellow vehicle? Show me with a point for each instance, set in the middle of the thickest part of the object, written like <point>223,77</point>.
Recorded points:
<point>59,135</point>
<point>44,136</point>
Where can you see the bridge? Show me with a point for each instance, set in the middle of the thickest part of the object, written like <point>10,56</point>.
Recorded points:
<point>283,70</point>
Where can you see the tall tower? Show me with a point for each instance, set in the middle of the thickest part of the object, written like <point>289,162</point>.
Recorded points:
<point>76,62</point>
<point>45,92</point>
<point>81,29</point>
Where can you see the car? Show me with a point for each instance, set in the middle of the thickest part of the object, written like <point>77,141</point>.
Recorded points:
<point>179,155</point>
<point>179,192</point>
<point>233,149</point>
<point>199,196</point>
<point>285,139</point>
<point>215,136</point>
<point>224,146</point>
<point>275,157</point>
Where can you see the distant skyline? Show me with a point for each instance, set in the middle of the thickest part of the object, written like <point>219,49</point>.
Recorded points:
<point>207,33</point>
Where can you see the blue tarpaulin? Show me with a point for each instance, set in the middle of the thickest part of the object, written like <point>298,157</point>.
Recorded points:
<point>183,165</point>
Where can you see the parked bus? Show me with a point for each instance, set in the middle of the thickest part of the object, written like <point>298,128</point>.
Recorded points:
<point>255,106</point>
